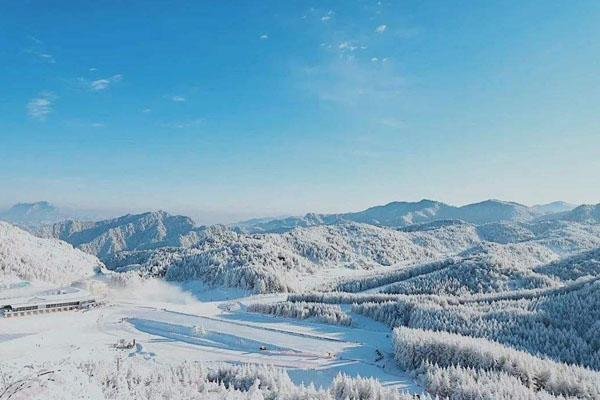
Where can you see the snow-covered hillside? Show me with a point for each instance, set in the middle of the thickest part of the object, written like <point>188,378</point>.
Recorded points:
<point>400,214</point>
<point>486,268</point>
<point>553,207</point>
<point>289,261</point>
<point>490,300</point>
<point>129,232</point>
<point>587,213</point>
<point>284,262</point>
<point>27,257</point>
<point>296,253</point>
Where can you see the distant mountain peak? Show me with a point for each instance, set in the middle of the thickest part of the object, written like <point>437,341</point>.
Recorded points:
<point>30,214</point>
<point>553,207</point>
<point>147,230</point>
<point>585,213</point>
<point>497,202</point>
<point>33,206</point>
<point>398,214</point>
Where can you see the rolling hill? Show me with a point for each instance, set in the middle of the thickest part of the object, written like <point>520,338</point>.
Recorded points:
<point>130,232</point>
<point>24,256</point>
<point>401,214</point>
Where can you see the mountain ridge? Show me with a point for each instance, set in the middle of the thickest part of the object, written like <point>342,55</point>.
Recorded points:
<point>25,256</point>
<point>129,232</point>
<point>398,214</point>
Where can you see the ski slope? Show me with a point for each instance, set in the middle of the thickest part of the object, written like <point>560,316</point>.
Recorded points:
<point>161,318</point>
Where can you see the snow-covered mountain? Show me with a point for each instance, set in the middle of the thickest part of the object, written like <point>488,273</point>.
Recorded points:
<point>292,249</point>
<point>282,262</point>
<point>493,211</point>
<point>554,207</point>
<point>580,265</point>
<point>32,214</point>
<point>400,214</point>
<point>586,213</point>
<point>485,268</point>
<point>495,256</point>
<point>24,256</point>
<point>129,232</point>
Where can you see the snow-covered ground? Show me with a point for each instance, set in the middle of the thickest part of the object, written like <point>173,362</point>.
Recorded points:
<point>171,324</point>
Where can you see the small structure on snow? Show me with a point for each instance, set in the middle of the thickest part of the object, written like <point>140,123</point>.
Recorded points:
<point>122,344</point>
<point>47,301</point>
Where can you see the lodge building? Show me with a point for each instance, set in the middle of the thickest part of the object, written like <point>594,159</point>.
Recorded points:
<point>49,301</point>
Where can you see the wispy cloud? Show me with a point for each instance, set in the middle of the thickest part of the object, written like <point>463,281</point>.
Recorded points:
<point>328,16</point>
<point>49,58</point>
<point>35,40</point>
<point>347,46</point>
<point>178,99</point>
<point>381,28</point>
<point>379,60</point>
<point>264,36</point>
<point>38,50</point>
<point>44,57</point>
<point>99,85</point>
<point>40,107</point>
<point>103,84</point>
<point>348,79</point>
<point>346,72</point>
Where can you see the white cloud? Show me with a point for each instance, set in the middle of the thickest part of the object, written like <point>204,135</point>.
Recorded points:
<point>35,39</point>
<point>40,107</point>
<point>264,36</point>
<point>379,60</point>
<point>47,57</point>
<point>103,84</point>
<point>381,28</point>
<point>178,99</point>
<point>327,16</point>
<point>42,56</point>
<point>347,46</point>
<point>146,110</point>
<point>37,49</point>
<point>351,81</point>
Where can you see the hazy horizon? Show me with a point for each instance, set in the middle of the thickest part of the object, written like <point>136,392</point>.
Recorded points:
<point>247,110</point>
<point>208,217</point>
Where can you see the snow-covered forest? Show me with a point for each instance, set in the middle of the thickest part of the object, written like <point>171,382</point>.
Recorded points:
<point>132,378</point>
<point>328,313</point>
<point>502,304</point>
<point>24,256</point>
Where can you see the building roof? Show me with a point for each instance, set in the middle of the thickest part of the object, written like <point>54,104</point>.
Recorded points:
<point>48,296</point>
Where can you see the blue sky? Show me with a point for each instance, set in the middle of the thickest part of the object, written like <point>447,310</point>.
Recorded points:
<point>233,109</point>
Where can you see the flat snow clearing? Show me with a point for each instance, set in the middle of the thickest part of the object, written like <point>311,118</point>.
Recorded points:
<point>170,325</point>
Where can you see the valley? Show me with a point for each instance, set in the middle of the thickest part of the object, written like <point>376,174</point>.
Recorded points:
<point>312,311</point>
